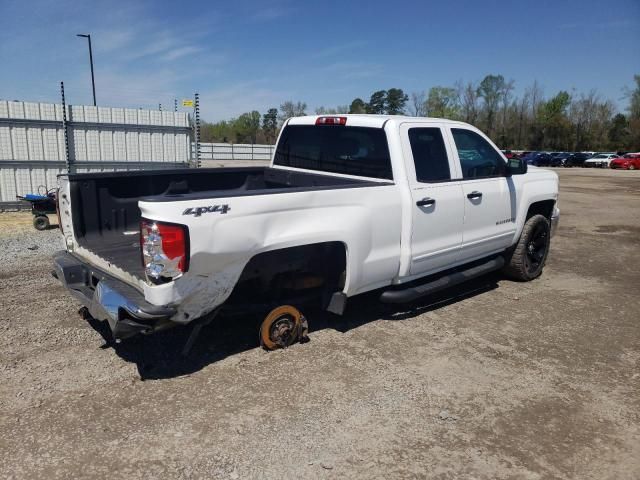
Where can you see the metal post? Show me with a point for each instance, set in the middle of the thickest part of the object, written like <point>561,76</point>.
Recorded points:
<point>175,104</point>
<point>93,80</point>
<point>160,106</point>
<point>197,114</point>
<point>65,130</point>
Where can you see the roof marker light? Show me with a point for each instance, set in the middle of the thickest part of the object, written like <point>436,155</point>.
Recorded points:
<point>331,121</point>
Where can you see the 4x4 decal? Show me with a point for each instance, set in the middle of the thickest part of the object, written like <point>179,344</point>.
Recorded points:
<point>197,211</point>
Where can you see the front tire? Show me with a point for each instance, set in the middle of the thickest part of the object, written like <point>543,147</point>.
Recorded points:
<point>525,261</point>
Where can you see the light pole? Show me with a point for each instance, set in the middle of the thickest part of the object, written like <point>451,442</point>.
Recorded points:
<point>93,81</point>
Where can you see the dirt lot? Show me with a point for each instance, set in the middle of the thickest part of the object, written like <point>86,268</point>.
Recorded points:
<point>494,380</point>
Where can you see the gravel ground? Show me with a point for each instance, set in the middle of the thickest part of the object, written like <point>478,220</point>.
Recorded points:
<point>22,244</point>
<point>493,380</point>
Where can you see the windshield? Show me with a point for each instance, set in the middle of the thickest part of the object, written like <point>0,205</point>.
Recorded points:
<point>357,151</point>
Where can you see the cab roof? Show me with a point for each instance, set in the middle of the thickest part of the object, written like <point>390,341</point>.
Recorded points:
<point>369,120</point>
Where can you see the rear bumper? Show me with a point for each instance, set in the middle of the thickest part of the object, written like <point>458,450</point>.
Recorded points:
<point>107,298</point>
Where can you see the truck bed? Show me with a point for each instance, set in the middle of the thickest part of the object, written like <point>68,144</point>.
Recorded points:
<point>105,209</point>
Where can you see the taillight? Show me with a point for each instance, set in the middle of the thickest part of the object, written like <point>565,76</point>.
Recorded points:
<point>165,249</point>
<point>331,121</point>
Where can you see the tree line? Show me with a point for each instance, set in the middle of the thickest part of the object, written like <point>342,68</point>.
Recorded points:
<point>567,121</point>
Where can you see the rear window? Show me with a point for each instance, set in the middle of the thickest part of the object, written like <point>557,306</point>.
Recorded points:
<point>429,154</point>
<point>358,151</point>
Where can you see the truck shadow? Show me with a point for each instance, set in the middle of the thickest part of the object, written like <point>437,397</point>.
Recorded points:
<point>159,356</point>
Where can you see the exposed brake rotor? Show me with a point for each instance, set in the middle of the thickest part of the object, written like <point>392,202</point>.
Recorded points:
<point>282,327</point>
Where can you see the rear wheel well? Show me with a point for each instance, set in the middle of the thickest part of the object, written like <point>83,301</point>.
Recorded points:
<point>544,208</point>
<point>311,271</point>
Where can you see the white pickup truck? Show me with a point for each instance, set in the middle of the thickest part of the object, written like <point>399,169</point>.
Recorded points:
<point>349,204</point>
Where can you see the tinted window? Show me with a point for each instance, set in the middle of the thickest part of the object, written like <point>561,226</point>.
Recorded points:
<point>477,157</point>
<point>429,154</point>
<point>338,149</point>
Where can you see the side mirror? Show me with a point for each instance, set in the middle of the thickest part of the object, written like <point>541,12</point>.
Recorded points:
<point>516,166</point>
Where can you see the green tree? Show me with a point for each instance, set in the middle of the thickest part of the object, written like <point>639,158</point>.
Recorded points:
<point>270,125</point>
<point>247,126</point>
<point>443,102</point>
<point>634,97</point>
<point>418,104</point>
<point>619,132</point>
<point>378,102</point>
<point>468,94</point>
<point>396,101</point>
<point>491,89</point>
<point>590,118</point>
<point>222,131</point>
<point>290,109</point>
<point>332,111</point>
<point>358,106</point>
<point>554,124</point>
<point>634,116</point>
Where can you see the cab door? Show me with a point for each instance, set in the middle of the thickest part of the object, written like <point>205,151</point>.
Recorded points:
<point>437,207</point>
<point>488,194</point>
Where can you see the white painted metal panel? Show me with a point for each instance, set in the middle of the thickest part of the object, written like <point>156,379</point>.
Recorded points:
<point>32,133</point>
<point>6,150</point>
<point>19,142</point>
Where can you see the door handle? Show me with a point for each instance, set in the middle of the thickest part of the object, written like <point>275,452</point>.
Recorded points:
<point>425,202</point>
<point>474,194</point>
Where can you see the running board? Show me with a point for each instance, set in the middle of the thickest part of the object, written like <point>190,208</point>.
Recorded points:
<point>448,280</point>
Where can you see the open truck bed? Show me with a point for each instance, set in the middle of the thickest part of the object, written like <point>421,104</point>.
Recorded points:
<point>106,217</point>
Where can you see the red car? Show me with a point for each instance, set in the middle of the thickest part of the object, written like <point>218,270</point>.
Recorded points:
<point>629,161</point>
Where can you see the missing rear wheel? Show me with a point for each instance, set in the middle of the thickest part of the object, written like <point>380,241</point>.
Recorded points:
<point>282,327</point>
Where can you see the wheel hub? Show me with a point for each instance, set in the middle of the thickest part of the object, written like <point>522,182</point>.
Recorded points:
<point>282,327</point>
<point>281,330</point>
<point>536,248</point>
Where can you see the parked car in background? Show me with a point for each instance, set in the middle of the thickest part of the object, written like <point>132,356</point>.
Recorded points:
<point>629,161</point>
<point>559,159</point>
<point>540,159</point>
<point>601,160</point>
<point>527,157</point>
<point>576,159</point>
<point>509,154</point>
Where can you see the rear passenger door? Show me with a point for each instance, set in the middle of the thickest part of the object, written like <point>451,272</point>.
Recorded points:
<point>489,195</point>
<point>437,207</point>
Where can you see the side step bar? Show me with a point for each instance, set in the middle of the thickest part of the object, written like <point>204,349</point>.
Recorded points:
<point>448,280</point>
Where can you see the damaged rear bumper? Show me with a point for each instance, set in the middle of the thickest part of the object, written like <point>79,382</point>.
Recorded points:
<point>107,298</point>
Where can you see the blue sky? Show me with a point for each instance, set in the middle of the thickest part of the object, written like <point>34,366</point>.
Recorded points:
<point>245,55</point>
